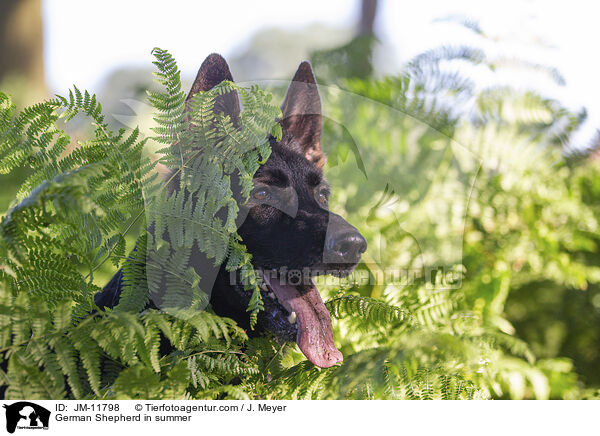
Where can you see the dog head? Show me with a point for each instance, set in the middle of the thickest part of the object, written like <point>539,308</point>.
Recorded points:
<point>286,224</point>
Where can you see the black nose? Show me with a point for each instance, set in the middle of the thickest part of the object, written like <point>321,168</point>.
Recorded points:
<point>347,248</point>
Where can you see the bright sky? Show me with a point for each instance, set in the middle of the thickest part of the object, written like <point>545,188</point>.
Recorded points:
<point>84,41</point>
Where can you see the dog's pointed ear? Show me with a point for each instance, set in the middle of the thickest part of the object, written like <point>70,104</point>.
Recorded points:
<point>302,119</point>
<point>213,71</point>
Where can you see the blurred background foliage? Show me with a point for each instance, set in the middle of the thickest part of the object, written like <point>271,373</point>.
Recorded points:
<point>435,168</point>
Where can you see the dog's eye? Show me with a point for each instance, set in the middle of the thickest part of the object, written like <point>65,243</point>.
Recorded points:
<point>323,198</point>
<point>260,195</point>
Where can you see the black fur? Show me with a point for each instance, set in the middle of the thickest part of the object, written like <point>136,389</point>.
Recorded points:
<point>286,224</point>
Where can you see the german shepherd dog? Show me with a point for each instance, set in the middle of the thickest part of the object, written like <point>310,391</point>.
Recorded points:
<point>286,225</point>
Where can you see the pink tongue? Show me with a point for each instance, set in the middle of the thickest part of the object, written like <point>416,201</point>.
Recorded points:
<point>315,334</point>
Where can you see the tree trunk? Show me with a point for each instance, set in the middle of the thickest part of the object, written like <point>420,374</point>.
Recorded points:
<point>21,50</point>
<point>367,17</point>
